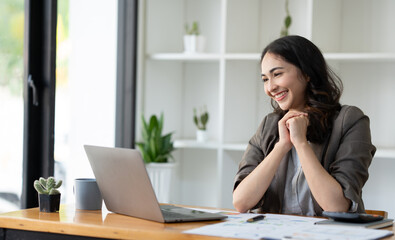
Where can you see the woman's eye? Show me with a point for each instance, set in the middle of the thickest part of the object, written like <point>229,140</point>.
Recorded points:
<point>265,79</point>
<point>277,74</point>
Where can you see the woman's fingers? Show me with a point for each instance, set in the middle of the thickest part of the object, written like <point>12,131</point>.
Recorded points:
<point>292,114</point>
<point>297,127</point>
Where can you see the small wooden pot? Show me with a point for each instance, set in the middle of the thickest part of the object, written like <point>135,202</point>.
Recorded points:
<point>49,203</point>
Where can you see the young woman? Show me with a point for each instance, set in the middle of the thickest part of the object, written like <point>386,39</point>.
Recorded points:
<point>311,154</point>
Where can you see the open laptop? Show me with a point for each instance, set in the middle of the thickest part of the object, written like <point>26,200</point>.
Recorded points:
<point>126,188</point>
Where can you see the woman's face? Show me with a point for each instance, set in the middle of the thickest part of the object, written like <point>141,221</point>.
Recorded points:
<point>283,82</point>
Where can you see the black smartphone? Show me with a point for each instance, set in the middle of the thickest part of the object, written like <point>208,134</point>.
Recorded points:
<point>352,217</point>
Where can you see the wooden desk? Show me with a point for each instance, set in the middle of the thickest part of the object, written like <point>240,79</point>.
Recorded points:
<point>96,224</point>
<point>71,223</point>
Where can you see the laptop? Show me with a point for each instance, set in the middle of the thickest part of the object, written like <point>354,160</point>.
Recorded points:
<point>126,188</point>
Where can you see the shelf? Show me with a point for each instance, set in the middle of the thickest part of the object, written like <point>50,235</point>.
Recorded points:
<point>327,56</point>
<point>389,57</point>
<point>204,56</point>
<point>360,56</point>
<point>235,146</point>
<point>243,56</point>
<point>185,56</point>
<point>189,143</point>
<point>385,153</point>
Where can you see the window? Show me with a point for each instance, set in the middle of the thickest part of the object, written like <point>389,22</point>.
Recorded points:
<point>85,85</point>
<point>11,103</point>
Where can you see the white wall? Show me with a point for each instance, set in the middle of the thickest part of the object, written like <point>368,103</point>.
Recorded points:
<point>379,191</point>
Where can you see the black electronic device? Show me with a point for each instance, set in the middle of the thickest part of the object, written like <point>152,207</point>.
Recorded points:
<point>352,217</point>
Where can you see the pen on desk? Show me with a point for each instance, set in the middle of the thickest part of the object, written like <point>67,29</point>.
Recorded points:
<point>256,218</point>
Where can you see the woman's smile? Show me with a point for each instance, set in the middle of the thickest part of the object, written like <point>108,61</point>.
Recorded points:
<point>280,96</point>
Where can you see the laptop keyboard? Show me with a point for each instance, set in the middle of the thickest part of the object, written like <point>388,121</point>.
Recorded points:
<point>168,215</point>
<point>171,213</point>
<point>180,214</point>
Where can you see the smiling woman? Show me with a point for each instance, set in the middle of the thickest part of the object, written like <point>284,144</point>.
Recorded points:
<point>311,154</point>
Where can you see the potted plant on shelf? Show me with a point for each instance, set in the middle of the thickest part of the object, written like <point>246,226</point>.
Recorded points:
<point>156,150</point>
<point>200,119</point>
<point>287,21</point>
<point>48,195</point>
<point>193,42</point>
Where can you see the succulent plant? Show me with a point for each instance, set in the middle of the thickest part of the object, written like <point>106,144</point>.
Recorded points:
<point>200,119</point>
<point>47,186</point>
<point>194,30</point>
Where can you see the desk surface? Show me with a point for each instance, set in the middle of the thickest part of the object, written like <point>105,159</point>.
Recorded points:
<point>101,224</point>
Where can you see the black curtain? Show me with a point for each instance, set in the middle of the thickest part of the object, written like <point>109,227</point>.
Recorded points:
<point>39,95</point>
<point>126,73</point>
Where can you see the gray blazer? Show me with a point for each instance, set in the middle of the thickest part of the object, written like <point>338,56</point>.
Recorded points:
<point>346,154</point>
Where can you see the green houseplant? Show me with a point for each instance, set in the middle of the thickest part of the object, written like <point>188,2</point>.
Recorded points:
<point>201,119</point>
<point>193,30</point>
<point>49,195</point>
<point>287,21</point>
<point>155,147</point>
<point>156,150</point>
<point>193,42</point>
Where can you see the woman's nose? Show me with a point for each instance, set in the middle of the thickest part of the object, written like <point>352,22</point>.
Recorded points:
<point>271,85</point>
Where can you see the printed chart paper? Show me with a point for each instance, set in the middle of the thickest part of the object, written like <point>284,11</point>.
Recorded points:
<point>278,226</point>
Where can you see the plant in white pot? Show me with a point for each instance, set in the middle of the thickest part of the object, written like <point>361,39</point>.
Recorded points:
<point>193,41</point>
<point>156,150</point>
<point>201,119</point>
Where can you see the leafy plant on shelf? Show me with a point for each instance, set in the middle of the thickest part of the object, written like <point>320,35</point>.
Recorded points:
<point>201,118</point>
<point>194,30</point>
<point>154,146</point>
<point>287,21</point>
<point>47,186</point>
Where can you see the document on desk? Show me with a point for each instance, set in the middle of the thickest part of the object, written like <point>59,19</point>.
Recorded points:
<point>278,226</point>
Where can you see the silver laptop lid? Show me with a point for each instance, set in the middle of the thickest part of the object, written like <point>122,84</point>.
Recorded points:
<point>123,182</point>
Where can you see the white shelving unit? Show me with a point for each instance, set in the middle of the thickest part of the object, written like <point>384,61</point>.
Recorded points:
<point>355,36</point>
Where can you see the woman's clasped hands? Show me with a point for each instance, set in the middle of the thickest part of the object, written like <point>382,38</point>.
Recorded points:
<point>292,128</point>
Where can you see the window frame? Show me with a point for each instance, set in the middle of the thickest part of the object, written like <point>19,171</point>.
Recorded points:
<point>40,64</point>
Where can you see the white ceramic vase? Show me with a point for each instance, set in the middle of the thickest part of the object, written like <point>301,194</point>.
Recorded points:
<point>201,135</point>
<point>160,175</point>
<point>194,44</point>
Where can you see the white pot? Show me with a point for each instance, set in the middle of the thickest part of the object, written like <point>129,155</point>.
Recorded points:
<point>161,177</point>
<point>201,135</point>
<point>194,44</point>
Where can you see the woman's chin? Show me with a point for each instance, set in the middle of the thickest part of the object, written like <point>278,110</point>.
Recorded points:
<point>283,107</point>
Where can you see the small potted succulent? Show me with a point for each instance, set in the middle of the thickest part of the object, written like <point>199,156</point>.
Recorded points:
<point>193,41</point>
<point>201,119</point>
<point>48,195</point>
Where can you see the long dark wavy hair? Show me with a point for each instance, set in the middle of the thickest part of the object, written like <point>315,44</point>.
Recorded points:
<point>324,87</point>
